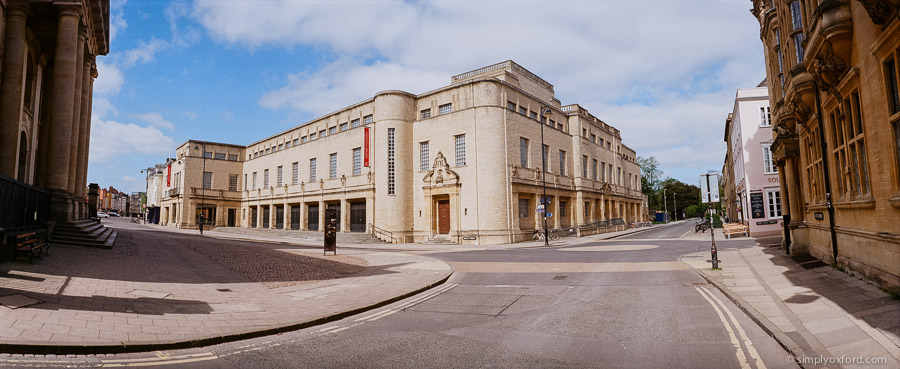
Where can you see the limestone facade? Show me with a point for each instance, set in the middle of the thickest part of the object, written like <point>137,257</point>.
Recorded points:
<point>752,193</point>
<point>461,163</point>
<point>48,67</point>
<point>832,70</point>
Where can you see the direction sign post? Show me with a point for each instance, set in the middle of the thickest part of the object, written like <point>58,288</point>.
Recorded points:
<point>709,189</point>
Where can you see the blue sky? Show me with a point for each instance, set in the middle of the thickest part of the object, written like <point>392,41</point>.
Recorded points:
<point>663,72</point>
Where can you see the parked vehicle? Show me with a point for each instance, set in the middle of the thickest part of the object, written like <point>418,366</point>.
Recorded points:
<point>113,214</point>
<point>101,214</point>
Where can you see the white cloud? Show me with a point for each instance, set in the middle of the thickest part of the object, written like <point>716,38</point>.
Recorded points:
<point>154,119</point>
<point>111,139</point>
<point>109,79</point>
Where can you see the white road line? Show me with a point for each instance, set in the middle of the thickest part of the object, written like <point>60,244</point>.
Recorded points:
<point>389,312</point>
<point>744,337</point>
<point>734,341</point>
<point>186,356</point>
<point>180,359</point>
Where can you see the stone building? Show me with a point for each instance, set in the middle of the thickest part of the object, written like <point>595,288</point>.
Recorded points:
<point>752,192</point>
<point>48,67</point>
<point>832,70</point>
<point>459,164</point>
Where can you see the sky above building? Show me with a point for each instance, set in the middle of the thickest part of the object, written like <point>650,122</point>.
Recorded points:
<point>663,72</point>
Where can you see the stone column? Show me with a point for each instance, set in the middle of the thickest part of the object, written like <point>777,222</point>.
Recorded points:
<point>76,112</point>
<point>345,214</point>
<point>64,71</point>
<point>791,181</point>
<point>11,87</point>
<point>602,207</point>
<point>555,220</point>
<point>321,216</point>
<point>85,124</point>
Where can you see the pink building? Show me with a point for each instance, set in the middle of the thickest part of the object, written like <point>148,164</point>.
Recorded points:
<point>754,183</point>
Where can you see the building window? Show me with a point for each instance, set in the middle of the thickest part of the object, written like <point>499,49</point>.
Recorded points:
<point>266,178</point>
<point>511,105</point>
<point>280,147</point>
<point>532,115</point>
<point>232,157</point>
<point>619,176</point>
<point>332,130</point>
<point>594,170</point>
<point>208,154</point>
<point>523,152</point>
<point>279,176</point>
<point>814,171</point>
<point>425,114</point>
<point>332,166</point>
<point>303,139</point>
<point>897,142</point>
<point>295,172</point>
<point>368,119</point>
<point>445,109</point>
<point>424,159</point>
<point>322,133</point>
<point>544,153</point>
<point>296,141</point>
<point>892,82</point>
<point>765,119</point>
<point>313,136</point>
<point>390,161</point>
<point>312,170</point>
<point>562,162</point>
<point>768,163</point>
<point>523,110</point>
<point>254,180</point>
<point>220,155</point>
<point>344,127</point>
<point>460,142</point>
<point>287,145</point>
<point>774,200</point>
<point>245,181</point>
<point>524,207</point>
<point>603,171</point>
<point>357,161</point>
<point>796,16</point>
<point>232,182</point>
<point>584,162</point>
<point>207,180</point>
<point>850,149</point>
<point>354,123</point>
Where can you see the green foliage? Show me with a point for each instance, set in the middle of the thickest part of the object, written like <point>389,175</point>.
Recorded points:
<point>717,220</point>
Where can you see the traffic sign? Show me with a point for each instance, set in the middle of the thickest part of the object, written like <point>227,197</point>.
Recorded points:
<point>549,215</point>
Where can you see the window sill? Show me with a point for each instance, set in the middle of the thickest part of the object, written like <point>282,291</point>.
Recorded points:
<point>895,201</point>
<point>858,204</point>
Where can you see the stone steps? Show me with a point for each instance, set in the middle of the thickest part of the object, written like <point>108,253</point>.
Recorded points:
<point>342,237</point>
<point>86,233</point>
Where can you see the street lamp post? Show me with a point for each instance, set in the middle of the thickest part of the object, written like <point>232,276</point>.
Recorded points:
<point>675,204</point>
<point>666,206</point>
<point>202,184</point>
<point>546,113</point>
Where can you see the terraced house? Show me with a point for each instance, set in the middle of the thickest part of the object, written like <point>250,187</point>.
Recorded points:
<point>832,70</point>
<point>463,163</point>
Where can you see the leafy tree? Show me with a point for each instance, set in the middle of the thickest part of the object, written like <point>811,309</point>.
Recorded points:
<point>651,175</point>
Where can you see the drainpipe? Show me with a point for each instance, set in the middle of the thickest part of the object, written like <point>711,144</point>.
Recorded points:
<point>827,179</point>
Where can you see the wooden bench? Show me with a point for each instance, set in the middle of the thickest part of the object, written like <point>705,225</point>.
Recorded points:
<point>732,229</point>
<point>32,244</point>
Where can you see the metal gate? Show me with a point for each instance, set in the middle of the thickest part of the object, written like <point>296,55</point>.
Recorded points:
<point>357,216</point>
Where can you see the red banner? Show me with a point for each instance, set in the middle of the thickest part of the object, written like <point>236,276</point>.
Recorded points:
<point>366,148</point>
<point>169,176</point>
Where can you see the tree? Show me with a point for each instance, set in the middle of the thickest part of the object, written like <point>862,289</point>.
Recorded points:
<point>681,195</point>
<point>650,180</point>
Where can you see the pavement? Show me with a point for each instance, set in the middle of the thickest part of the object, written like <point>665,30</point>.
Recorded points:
<point>162,288</point>
<point>823,316</point>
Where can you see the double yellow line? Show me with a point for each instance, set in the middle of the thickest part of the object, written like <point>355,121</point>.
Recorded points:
<point>718,306</point>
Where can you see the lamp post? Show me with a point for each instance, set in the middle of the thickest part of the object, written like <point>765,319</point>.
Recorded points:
<point>202,184</point>
<point>546,113</point>
<point>675,204</point>
<point>666,206</point>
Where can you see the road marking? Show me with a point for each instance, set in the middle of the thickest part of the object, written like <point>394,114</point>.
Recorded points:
<point>742,359</point>
<point>502,267</point>
<point>610,248</point>
<point>163,359</point>
<point>747,342</point>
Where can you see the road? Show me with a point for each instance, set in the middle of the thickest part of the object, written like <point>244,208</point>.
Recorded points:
<point>627,302</point>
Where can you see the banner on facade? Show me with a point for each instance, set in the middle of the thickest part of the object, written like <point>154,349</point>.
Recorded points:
<point>366,148</point>
<point>169,175</point>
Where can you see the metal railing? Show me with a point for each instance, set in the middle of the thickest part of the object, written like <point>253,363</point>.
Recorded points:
<point>22,205</point>
<point>376,232</point>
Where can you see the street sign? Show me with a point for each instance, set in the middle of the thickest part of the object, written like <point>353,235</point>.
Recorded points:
<point>709,187</point>
<point>549,215</point>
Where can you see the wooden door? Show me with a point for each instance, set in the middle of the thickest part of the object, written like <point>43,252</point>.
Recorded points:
<point>444,217</point>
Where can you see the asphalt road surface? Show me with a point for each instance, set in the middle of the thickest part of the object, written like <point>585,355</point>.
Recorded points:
<point>622,303</point>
